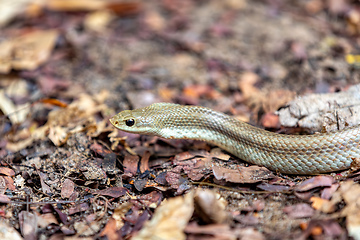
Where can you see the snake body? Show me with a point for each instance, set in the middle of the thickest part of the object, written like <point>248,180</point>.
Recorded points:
<point>291,154</point>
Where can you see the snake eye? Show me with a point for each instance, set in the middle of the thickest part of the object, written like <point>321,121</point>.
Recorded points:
<point>130,122</point>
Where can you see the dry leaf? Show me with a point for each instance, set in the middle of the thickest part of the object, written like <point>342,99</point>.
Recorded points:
<point>10,9</point>
<point>169,220</point>
<point>7,232</point>
<point>98,21</point>
<point>16,114</point>
<point>350,192</point>
<point>78,5</point>
<point>300,210</point>
<point>154,20</point>
<point>318,203</point>
<point>67,189</point>
<point>28,51</point>
<point>210,207</point>
<point>250,174</point>
<point>28,224</point>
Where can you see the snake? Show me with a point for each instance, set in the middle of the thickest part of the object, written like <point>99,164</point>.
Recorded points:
<point>289,154</point>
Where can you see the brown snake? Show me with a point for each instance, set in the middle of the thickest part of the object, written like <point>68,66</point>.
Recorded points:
<point>291,154</point>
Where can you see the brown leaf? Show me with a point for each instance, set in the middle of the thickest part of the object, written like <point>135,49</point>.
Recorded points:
<point>9,232</point>
<point>169,219</point>
<point>217,231</point>
<point>301,210</point>
<point>329,191</point>
<point>257,206</point>
<point>131,164</point>
<point>114,192</point>
<point>110,230</point>
<point>79,5</point>
<point>210,207</point>
<point>329,228</point>
<point>321,204</point>
<point>4,198</point>
<point>250,174</point>
<point>270,120</point>
<point>9,183</point>
<point>82,207</point>
<point>7,171</point>
<point>194,166</point>
<point>315,182</point>
<point>273,187</point>
<point>67,189</point>
<point>144,162</point>
<point>46,219</point>
<point>30,50</point>
<point>99,149</point>
<point>45,188</point>
<point>152,199</point>
<point>249,219</point>
<point>124,8</point>
<point>28,224</point>
<point>350,192</point>
<point>3,186</point>
<point>195,91</point>
<point>50,85</point>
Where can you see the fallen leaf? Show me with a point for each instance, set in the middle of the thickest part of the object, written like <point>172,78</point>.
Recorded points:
<point>313,230</point>
<point>131,164</point>
<point>301,210</point>
<point>46,219</point>
<point>7,171</point>
<point>9,183</point>
<point>88,226</point>
<point>67,188</point>
<point>30,50</point>
<point>8,232</point>
<point>28,224</point>
<point>316,227</point>
<point>9,9</point>
<point>250,174</point>
<point>4,198</point>
<point>169,219</point>
<point>98,21</point>
<point>216,231</point>
<point>114,192</point>
<point>315,182</point>
<point>329,191</point>
<point>273,187</point>
<point>318,203</point>
<point>144,162</point>
<point>210,207</point>
<point>110,230</point>
<point>79,5</point>
<point>79,207</point>
<point>270,120</point>
<point>16,113</point>
<point>154,20</point>
<point>44,187</point>
<point>350,192</point>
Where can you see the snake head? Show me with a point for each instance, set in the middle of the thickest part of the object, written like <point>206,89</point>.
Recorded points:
<point>132,121</point>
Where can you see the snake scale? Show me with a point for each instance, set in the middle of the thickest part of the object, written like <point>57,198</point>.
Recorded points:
<point>291,154</point>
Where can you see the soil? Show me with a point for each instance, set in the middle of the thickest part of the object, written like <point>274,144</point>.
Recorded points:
<point>243,58</point>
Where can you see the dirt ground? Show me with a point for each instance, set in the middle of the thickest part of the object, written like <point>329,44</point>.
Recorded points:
<point>67,173</point>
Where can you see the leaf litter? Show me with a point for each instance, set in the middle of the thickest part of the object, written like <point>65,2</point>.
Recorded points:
<point>77,176</point>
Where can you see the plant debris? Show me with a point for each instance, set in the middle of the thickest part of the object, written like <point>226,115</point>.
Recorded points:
<point>66,67</point>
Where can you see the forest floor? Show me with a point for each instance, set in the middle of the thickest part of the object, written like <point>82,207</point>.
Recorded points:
<point>66,67</point>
